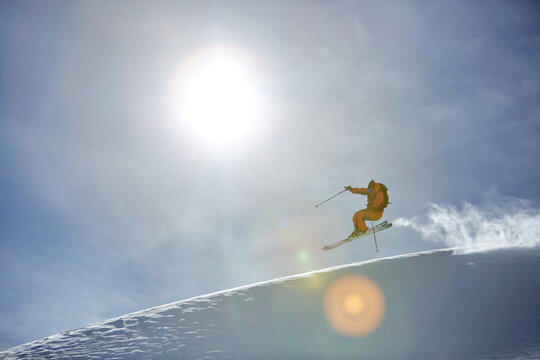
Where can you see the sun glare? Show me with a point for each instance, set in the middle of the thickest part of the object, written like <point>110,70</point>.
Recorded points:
<point>219,100</point>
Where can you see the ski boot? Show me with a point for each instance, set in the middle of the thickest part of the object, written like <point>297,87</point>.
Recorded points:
<point>357,232</point>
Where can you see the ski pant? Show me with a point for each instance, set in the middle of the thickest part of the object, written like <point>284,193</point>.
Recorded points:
<point>366,214</point>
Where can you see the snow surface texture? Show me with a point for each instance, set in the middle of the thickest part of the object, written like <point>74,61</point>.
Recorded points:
<point>438,306</point>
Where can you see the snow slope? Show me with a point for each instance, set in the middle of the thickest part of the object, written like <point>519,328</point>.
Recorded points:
<point>438,306</point>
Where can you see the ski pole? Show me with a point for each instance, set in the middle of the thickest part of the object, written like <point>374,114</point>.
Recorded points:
<point>330,198</point>
<point>373,227</point>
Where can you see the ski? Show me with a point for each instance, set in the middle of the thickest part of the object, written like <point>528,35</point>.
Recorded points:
<point>380,227</point>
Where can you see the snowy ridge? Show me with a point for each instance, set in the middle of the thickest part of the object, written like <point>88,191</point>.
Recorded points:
<point>438,305</point>
<point>272,281</point>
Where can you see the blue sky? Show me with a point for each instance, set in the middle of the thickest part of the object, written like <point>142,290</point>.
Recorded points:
<point>111,204</point>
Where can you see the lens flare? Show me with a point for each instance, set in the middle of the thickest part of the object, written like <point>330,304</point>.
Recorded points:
<point>354,305</point>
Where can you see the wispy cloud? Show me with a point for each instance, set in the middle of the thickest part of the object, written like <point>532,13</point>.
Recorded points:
<point>496,223</point>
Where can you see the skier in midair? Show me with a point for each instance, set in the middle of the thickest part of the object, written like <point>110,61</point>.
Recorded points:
<point>377,200</point>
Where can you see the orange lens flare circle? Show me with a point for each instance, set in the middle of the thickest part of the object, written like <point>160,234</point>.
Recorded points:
<point>354,305</point>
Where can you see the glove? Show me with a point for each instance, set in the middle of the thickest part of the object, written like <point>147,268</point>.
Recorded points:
<point>348,188</point>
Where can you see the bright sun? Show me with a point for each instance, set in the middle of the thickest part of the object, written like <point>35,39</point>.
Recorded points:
<point>220,102</point>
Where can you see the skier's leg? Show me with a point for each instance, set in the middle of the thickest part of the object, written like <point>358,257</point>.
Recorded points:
<point>373,215</point>
<point>358,220</point>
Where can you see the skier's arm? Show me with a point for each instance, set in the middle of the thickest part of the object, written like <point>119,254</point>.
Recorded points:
<point>361,191</point>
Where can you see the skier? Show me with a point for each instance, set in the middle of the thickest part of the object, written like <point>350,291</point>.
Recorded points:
<point>377,200</point>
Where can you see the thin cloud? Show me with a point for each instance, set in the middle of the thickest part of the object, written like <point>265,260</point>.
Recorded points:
<point>499,222</point>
